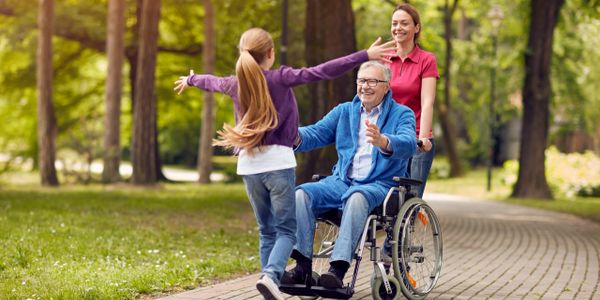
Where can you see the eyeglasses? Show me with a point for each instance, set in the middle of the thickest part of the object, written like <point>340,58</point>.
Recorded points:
<point>369,81</point>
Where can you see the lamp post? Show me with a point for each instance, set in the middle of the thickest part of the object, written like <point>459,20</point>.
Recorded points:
<point>495,15</point>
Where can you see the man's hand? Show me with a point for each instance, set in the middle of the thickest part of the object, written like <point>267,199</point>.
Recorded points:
<point>375,137</point>
<point>297,140</point>
<point>382,52</point>
<point>182,84</point>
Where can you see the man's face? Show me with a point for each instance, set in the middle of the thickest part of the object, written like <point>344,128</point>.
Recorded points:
<point>370,87</point>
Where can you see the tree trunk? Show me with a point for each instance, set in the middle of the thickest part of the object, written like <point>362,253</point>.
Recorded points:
<point>46,126</point>
<point>115,48</point>
<point>531,182</point>
<point>463,86</point>
<point>205,149</point>
<point>445,109</point>
<point>284,33</point>
<point>132,57</point>
<point>144,145</point>
<point>329,34</point>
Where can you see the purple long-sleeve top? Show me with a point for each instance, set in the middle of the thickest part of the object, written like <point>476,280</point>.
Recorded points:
<point>280,83</point>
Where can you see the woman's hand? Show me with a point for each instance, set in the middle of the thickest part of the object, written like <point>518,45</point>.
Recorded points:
<point>182,83</point>
<point>426,145</point>
<point>382,52</point>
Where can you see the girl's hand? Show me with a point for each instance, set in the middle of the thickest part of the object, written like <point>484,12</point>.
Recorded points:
<point>182,83</point>
<point>384,52</point>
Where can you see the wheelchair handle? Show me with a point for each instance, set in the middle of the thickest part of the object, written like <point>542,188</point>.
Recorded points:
<point>317,177</point>
<point>407,181</point>
<point>419,143</point>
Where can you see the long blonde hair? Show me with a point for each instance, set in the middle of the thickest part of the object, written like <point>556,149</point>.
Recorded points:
<point>257,113</point>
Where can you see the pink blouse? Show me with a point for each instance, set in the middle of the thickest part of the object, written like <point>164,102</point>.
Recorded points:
<point>407,76</point>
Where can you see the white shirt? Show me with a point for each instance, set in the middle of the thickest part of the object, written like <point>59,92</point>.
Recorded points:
<point>265,159</point>
<point>361,164</point>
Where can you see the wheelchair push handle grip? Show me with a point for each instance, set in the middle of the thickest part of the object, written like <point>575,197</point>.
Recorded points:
<point>419,143</point>
<point>317,177</point>
<point>407,181</point>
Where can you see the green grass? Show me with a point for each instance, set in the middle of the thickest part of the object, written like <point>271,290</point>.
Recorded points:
<point>122,242</point>
<point>588,208</point>
<point>473,184</point>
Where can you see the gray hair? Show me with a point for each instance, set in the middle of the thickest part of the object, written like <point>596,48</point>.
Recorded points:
<point>387,73</point>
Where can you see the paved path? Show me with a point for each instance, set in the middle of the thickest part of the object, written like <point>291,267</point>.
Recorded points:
<point>491,251</point>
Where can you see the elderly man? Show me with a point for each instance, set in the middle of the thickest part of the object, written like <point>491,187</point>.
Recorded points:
<point>374,138</point>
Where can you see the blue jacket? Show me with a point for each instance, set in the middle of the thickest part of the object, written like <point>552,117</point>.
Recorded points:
<point>341,126</point>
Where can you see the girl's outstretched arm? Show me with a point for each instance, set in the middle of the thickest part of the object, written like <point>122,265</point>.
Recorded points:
<point>338,66</point>
<point>209,83</point>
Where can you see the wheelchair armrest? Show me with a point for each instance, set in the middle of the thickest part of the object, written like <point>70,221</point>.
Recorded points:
<point>407,181</point>
<point>317,177</point>
<point>391,203</point>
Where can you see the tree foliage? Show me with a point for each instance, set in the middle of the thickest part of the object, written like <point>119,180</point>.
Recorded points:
<point>80,65</point>
<point>576,49</point>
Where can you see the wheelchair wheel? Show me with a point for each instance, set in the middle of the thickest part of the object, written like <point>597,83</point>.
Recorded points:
<point>417,251</point>
<point>326,233</point>
<point>379,292</point>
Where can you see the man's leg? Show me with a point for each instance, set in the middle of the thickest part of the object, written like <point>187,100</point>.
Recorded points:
<point>306,221</point>
<point>328,193</point>
<point>305,231</point>
<point>354,217</point>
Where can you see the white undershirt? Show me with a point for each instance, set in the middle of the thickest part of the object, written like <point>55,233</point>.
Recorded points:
<point>265,159</point>
<point>361,163</point>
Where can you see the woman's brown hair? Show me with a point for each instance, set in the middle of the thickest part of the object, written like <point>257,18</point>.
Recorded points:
<point>257,114</point>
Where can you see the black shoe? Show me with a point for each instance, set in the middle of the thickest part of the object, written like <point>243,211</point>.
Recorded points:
<point>298,274</point>
<point>333,278</point>
<point>330,280</point>
<point>293,276</point>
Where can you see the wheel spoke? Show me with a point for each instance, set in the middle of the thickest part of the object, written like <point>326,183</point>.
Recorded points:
<point>325,235</point>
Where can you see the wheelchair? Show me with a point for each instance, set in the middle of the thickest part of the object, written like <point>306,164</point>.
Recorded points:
<point>415,236</point>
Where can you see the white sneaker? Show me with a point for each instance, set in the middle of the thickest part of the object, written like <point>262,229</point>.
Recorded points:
<point>268,288</point>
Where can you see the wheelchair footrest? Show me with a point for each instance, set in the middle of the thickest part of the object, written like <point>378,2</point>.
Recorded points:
<point>304,290</point>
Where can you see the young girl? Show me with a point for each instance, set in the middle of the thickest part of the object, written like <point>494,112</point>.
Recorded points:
<point>266,126</point>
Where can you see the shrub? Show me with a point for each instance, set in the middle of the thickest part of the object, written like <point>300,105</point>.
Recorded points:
<point>570,175</point>
<point>440,168</point>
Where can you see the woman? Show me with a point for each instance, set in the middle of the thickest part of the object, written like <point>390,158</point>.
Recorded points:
<point>414,75</point>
